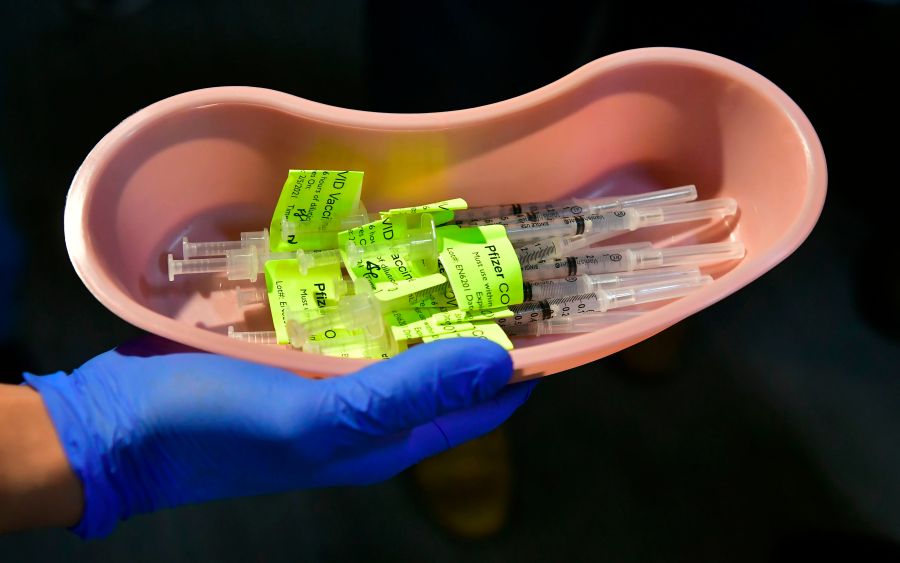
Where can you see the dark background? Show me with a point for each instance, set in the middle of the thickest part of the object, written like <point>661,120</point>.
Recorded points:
<point>766,428</point>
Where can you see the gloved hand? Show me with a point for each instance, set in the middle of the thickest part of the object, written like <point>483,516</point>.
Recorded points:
<point>145,432</point>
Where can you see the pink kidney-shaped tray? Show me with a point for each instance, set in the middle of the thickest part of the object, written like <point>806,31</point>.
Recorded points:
<point>209,164</point>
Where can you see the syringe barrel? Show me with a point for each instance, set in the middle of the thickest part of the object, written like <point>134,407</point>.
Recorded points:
<point>611,223</point>
<point>545,229</point>
<point>557,247</point>
<point>524,313</point>
<point>534,311</point>
<point>597,226</point>
<point>597,263</point>
<point>539,250</point>
<point>570,207</point>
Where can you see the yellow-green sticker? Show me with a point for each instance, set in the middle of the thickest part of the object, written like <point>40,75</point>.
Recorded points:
<point>388,264</point>
<point>315,201</point>
<point>381,232</point>
<point>290,290</point>
<point>485,330</point>
<point>416,292</point>
<point>418,322</point>
<point>482,267</point>
<point>442,211</point>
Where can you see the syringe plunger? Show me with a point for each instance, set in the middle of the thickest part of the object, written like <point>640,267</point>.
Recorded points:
<point>560,237</point>
<point>259,239</point>
<point>256,336</point>
<point>625,258</point>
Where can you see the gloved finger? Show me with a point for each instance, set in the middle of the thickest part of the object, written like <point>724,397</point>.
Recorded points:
<point>399,452</point>
<point>462,426</point>
<point>419,385</point>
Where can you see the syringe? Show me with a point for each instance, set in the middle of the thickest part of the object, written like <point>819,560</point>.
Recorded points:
<point>248,262</point>
<point>627,258</point>
<point>238,264</point>
<point>600,226</point>
<point>601,300</point>
<point>587,283</point>
<point>518,213</point>
<point>571,324</point>
<point>260,239</point>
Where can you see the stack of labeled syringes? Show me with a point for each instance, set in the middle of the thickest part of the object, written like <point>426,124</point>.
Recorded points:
<point>571,280</point>
<point>573,286</point>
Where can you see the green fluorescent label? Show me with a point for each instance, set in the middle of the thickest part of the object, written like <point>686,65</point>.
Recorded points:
<point>482,267</point>
<point>289,290</point>
<point>485,330</point>
<point>316,201</point>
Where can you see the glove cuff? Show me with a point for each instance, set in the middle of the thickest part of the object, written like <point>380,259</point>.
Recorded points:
<point>65,400</point>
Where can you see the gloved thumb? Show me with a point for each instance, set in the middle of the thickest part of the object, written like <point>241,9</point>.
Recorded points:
<point>422,384</point>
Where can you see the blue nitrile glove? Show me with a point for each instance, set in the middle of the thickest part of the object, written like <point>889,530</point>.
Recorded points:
<point>145,431</point>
